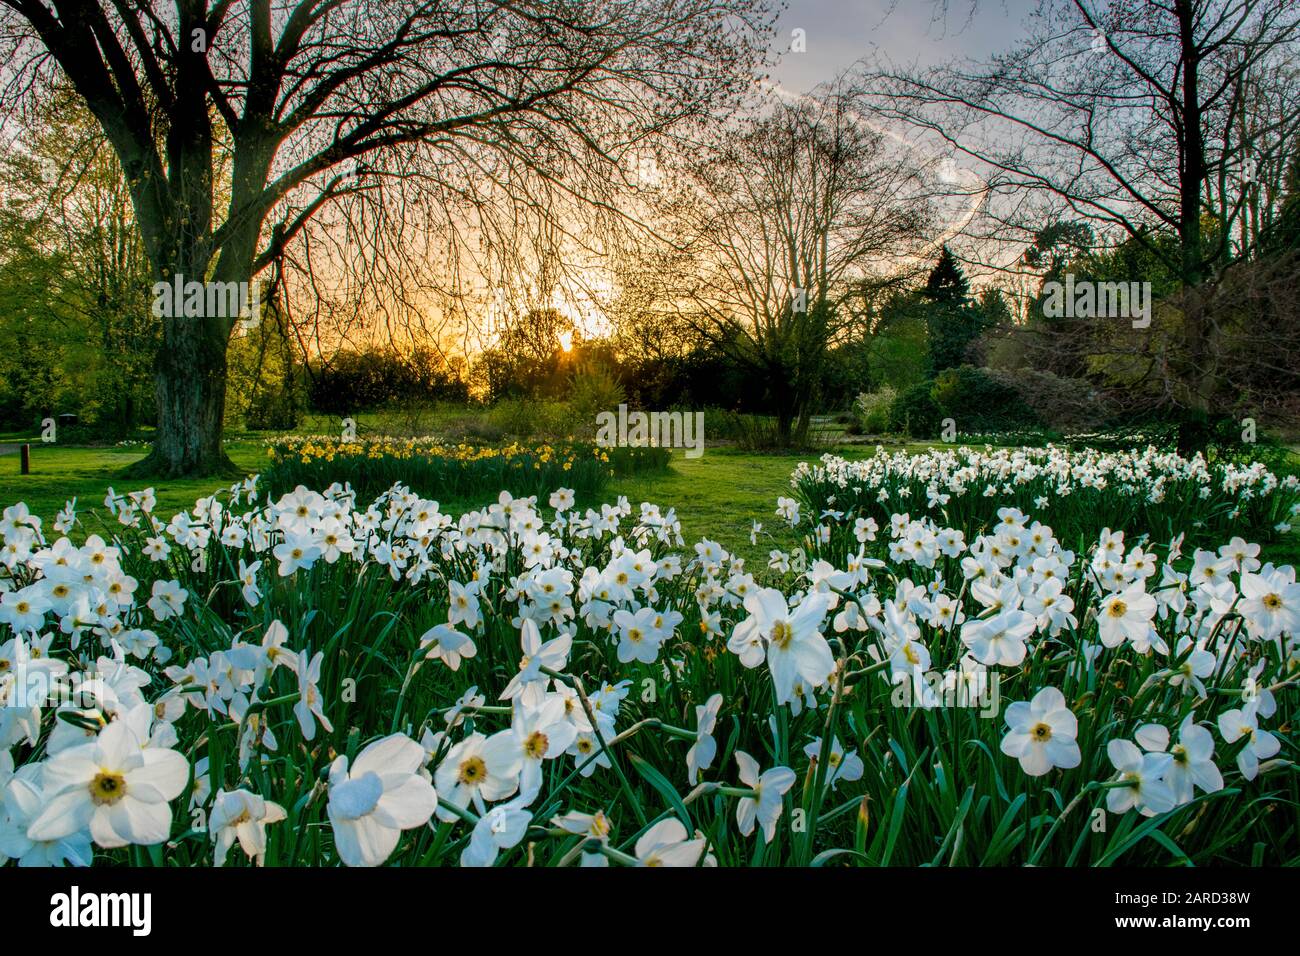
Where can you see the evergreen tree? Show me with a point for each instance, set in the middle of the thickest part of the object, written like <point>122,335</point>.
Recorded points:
<point>995,308</point>
<point>952,319</point>
<point>947,283</point>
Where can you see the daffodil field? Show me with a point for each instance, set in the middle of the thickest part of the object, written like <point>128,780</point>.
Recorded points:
<point>1077,492</point>
<point>996,658</point>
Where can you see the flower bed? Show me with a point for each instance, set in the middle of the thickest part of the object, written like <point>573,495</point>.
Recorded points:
<point>437,468</point>
<point>315,680</point>
<point>1077,492</point>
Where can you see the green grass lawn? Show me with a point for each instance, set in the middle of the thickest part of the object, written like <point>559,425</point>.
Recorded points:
<point>62,472</point>
<point>720,494</point>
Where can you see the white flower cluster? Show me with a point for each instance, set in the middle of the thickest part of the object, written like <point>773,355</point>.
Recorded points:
<point>1014,601</point>
<point>1045,475</point>
<point>109,699</point>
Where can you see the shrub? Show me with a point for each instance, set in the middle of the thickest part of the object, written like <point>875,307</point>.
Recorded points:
<point>871,409</point>
<point>528,419</point>
<point>978,402</point>
<point>749,432</point>
<point>915,413</point>
<point>273,410</point>
<point>474,429</point>
<point>1061,403</point>
<point>760,432</point>
<point>593,389</point>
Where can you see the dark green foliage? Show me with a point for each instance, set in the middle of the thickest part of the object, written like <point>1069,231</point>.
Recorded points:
<point>1056,244</point>
<point>847,373</point>
<point>76,331</point>
<point>265,386</point>
<point>947,283</point>
<point>975,400</point>
<point>915,412</point>
<point>899,350</point>
<point>978,402</point>
<point>952,320</point>
<point>361,380</point>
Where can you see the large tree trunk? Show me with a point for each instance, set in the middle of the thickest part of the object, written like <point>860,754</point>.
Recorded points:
<point>784,426</point>
<point>793,415</point>
<point>190,384</point>
<point>190,369</point>
<point>1191,176</point>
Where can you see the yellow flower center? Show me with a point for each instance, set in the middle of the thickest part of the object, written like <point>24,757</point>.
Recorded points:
<point>473,771</point>
<point>781,635</point>
<point>107,788</point>
<point>1042,733</point>
<point>536,744</point>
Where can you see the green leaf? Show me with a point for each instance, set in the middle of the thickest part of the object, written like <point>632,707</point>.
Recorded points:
<point>665,788</point>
